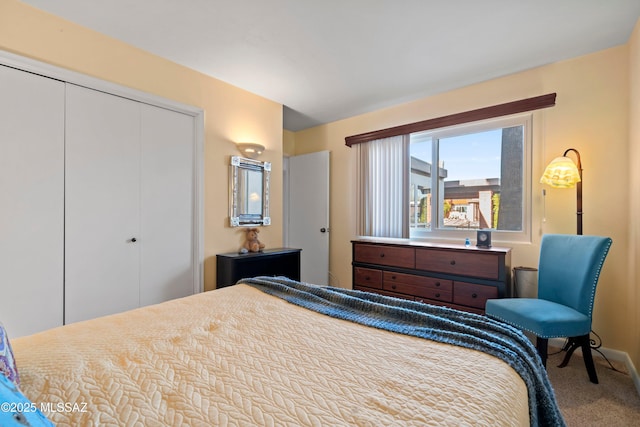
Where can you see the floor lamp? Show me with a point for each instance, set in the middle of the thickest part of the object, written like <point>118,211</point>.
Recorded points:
<point>562,172</point>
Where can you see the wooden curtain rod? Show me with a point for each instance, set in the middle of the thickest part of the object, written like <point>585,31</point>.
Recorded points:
<point>514,107</point>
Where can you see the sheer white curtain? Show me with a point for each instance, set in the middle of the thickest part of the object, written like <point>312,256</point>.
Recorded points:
<point>383,187</point>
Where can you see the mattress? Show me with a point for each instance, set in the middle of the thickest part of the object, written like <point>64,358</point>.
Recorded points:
<point>239,356</point>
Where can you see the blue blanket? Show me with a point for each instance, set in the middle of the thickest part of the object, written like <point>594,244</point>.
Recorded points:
<point>431,322</point>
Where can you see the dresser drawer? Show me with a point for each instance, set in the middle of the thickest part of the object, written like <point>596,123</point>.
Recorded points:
<point>385,293</point>
<point>368,277</point>
<point>474,264</point>
<point>391,256</point>
<point>418,286</point>
<point>472,294</point>
<point>390,277</point>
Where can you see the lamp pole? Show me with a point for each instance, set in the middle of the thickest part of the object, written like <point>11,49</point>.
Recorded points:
<point>578,189</point>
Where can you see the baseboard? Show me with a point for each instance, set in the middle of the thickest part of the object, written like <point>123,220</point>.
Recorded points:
<point>613,355</point>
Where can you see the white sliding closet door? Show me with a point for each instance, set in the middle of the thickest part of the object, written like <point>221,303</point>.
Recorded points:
<point>129,236</point>
<point>31,201</point>
<point>102,199</point>
<point>167,205</point>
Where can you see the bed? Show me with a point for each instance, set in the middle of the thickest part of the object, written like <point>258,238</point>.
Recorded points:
<point>274,352</point>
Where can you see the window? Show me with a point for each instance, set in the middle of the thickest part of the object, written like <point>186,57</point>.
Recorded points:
<point>469,177</point>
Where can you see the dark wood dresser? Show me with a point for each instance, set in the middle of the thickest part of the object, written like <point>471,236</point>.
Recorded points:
<point>451,275</point>
<point>234,266</point>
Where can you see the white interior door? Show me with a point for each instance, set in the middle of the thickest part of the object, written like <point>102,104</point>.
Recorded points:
<point>31,201</point>
<point>102,203</point>
<point>167,205</point>
<point>309,214</point>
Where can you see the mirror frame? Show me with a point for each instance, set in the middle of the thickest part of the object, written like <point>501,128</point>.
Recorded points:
<point>235,218</point>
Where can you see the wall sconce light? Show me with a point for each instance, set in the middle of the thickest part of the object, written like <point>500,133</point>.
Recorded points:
<point>562,172</point>
<point>250,150</point>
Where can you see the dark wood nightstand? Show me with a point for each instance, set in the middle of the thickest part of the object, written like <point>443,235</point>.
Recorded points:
<point>232,267</point>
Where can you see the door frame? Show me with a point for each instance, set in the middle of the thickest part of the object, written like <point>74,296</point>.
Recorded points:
<point>68,76</point>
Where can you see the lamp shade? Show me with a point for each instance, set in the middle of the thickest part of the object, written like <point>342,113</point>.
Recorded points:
<point>250,150</point>
<point>562,172</point>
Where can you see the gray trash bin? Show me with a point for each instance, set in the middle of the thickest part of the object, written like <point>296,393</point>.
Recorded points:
<point>525,282</point>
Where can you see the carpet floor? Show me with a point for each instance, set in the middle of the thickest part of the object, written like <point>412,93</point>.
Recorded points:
<point>614,402</point>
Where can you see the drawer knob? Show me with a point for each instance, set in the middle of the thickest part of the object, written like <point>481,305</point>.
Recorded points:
<point>367,278</point>
<point>438,295</point>
<point>453,262</point>
<point>437,283</point>
<point>474,295</point>
<point>393,277</point>
<point>393,286</point>
<point>381,255</point>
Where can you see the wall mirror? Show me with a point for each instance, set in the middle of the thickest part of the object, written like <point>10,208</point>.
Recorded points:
<point>248,192</point>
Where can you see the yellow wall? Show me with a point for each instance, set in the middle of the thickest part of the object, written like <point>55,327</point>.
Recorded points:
<point>633,292</point>
<point>288,143</point>
<point>591,115</point>
<point>231,114</point>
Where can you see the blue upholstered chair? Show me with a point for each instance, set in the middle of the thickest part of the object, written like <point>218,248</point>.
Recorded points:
<point>568,273</point>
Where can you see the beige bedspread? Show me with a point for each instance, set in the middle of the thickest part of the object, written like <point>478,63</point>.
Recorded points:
<point>237,356</point>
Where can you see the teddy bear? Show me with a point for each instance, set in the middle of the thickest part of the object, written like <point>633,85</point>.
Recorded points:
<point>252,244</point>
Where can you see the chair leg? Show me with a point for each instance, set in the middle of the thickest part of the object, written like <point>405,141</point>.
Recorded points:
<point>541,346</point>
<point>570,347</point>
<point>584,342</point>
<point>588,359</point>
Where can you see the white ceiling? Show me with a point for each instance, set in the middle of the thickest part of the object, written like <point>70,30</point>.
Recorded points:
<point>325,60</point>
